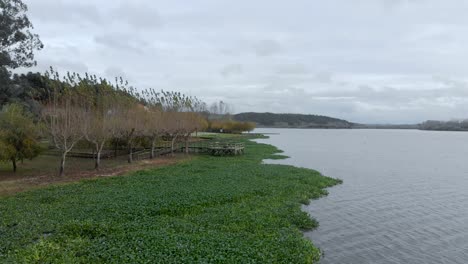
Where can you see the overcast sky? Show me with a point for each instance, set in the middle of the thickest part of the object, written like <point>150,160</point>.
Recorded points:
<point>372,61</point>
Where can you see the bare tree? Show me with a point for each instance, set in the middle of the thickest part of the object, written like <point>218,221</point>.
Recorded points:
<point>156,117</point>
<point>173,127</point>
<point>63,117</point>
<point>153,128</point>
<point>130,124</point>
<point>101,115</point>
<point>173,104</point>
<point>190,122</point>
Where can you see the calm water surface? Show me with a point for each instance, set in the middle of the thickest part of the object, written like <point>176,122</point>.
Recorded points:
<point>404,198</point>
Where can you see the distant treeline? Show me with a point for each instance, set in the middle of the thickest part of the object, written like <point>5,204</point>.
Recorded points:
<point>454,125</point>
<point>292,120</point>
<point>317,121</point>
<point>386,126</point>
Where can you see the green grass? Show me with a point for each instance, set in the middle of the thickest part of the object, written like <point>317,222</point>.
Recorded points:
<point>206,210</point>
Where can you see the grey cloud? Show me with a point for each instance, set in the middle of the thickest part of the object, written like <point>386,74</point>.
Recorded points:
<point>59,11</point>
<point>231,69</point>
<point>267,47</point>
<point>63,65</point>
<point>283,89</point>
<point>364,60</point>
<point>122,42</point>
<point>138,15</point>
<point>324,77</point>
<point>115,72</point>
<point>450,82</point>
<point>293,69</point>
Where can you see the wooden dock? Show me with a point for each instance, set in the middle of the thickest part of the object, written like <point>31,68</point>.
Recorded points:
<point>226,149</point>
<point>211,148</point>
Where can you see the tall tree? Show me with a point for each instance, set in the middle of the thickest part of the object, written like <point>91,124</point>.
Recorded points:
<point>190,122</point>
<point>63,116</point>
<point>153,127</point>
<point>130,124</point>
<point>17,43</point>
<point>174,105</point>
<point>18,135</point>
<point>100,123</point>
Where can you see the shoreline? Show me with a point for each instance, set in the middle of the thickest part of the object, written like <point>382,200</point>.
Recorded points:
<point>206,209</point>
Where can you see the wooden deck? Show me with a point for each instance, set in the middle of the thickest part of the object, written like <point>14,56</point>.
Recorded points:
<point>211,148</point>
<point>226,149</point>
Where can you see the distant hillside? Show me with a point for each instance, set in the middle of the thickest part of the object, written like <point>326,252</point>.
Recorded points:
<point>292,120</point>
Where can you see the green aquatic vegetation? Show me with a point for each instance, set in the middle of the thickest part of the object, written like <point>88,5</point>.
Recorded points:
<point>205,210</point>
<point>277,157</point>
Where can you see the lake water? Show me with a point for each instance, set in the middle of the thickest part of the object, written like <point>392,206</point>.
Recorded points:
<point>404,198</point>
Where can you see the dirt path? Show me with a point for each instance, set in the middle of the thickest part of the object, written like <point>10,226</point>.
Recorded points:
<point>11,184</point>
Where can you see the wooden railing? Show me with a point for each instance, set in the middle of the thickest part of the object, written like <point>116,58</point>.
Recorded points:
<point>215,148</point>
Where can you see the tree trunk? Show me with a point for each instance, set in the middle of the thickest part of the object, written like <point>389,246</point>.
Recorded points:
<point>94,155</point>
<point>172,144</point>
<point>187,144</point>
<point>97,159</point>
<point>13,161</point>
<point>153,146</point>
<point>62,164</point>
<point>130,153</point>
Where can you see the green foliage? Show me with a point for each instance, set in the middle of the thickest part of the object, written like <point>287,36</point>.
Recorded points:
<point>17,48</point>
<point>207,210</point>
<point>18,135</point>
<point>25,89</point>
<point>17,42</point>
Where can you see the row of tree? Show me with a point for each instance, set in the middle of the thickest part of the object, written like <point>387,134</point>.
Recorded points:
<point>94,110</point>
<point>74,109</point>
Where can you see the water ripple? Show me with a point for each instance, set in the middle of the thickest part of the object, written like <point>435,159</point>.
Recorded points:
<point>404,197</point>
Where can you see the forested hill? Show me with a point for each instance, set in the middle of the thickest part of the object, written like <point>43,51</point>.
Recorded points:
<point>292,120</point>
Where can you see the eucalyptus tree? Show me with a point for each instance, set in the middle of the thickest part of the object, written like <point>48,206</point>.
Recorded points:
<point>17,46</point>
<point>17,43</point>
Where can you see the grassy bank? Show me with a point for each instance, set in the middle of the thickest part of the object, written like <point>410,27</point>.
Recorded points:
<point>208,209</point>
